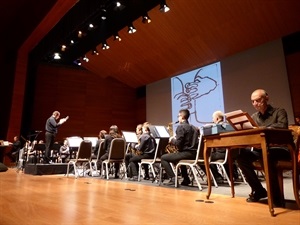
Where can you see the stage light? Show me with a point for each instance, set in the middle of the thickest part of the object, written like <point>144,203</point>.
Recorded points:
<point>77,62</point>
<point>131,29</point>
<point>86,59</point>
<point>117,37</point>
<point>80,34</point>
<point>103,14</point>
<point>95,51</point>
<point>146,19</point>
<point>164,7</point>
<point>56,55</point>
<point>63,48</point>
<point>105,46</point>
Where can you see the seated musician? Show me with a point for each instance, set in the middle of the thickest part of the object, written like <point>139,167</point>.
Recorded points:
<point>31,152</point>
<point>266,116</point>
<point>113,133</point>
<point>186,140</point>
<point>14,152</point>
<point>64,151</point>
<point>219,153</point>
<point>132,151</point>
<point>146,150</point>
<point>101,138</point>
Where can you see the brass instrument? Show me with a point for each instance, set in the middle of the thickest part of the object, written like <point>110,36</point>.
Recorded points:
<point>171,148</point>
<point>133,150</point>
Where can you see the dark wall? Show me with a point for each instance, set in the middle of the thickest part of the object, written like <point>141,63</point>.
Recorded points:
<point>291,45</point>
<point>91,102</point>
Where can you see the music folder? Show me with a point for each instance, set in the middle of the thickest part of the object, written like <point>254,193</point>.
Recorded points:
<point>240,120</point>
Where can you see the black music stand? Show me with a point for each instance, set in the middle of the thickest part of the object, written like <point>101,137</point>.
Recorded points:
<point>39,151</point>
<point>55,151</point>
<point>160,132</point>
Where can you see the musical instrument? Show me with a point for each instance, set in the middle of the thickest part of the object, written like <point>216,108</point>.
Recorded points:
<point>171,148</point>
<point>133,149</point>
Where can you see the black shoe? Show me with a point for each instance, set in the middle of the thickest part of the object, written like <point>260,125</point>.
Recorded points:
<point>257,195</point>
<point>147,177</point>
<point>186,182</point>
<point>116,176</point>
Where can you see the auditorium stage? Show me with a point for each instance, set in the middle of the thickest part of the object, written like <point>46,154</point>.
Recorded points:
<point>45,169</point>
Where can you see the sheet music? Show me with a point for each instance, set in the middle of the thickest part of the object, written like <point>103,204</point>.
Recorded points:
<point>92,139</point>
<point>162,131</point>
<point>130,137</point>
<point>74,141</point>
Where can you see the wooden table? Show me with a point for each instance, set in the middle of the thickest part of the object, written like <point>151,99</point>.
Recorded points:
<point>259,138</point>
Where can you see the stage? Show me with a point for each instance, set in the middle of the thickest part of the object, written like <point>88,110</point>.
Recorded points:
<point>45,169</point>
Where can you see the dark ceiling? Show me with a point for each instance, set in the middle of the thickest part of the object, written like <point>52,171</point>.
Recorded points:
<point>192,34</point>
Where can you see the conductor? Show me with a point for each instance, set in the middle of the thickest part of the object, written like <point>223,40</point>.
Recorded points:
<point>51,131</point>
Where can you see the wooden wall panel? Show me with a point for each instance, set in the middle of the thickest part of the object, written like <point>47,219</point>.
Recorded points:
<point>91,102</point>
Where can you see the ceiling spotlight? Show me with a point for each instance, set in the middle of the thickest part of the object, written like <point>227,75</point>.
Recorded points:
<point>146,19</point>
<point>77,62</point>
<point>105,46</point>
<point>103,14</point>
<point>117,37</point>
<point>63,48</point>
<point>56,55</point>
<point>72,42</point>
<point>86,59</point>
<point>119,6</point>
<point>80,34</point>
<point>91,26</point>
<point>131,29</point>
<point>164,7</point>
<point>95,51</point>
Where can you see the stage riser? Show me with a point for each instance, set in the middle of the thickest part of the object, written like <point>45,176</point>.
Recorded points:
<point>46,169</point>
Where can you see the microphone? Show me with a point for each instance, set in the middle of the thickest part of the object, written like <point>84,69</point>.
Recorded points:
<point>175,122</point>
<point>38,131</point>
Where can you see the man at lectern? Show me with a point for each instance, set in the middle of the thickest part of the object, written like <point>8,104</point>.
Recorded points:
<point>51,131</point>
<point>186,141</point>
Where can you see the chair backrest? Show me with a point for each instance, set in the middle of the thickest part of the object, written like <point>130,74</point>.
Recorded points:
<point>101,150</point>
<point>199,154</point>
<point>84,150</point>
<point>117,149</point>
<point>157,152</point>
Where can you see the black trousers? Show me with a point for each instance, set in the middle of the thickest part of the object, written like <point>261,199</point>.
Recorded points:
<point>104,157</point>
<point>174,158</point>
<point>49,142</point>
<point>245,161</point>
<point>134,166</point>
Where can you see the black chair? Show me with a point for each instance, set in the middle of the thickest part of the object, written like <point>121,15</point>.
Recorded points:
<point>82,159</point>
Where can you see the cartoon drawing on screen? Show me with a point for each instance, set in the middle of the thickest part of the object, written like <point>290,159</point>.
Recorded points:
<point>188,94</point>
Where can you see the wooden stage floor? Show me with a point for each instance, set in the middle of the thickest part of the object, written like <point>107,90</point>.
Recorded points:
<point>55,199</point>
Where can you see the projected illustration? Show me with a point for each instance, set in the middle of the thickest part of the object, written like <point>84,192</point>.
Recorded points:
<point>200,91</point>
